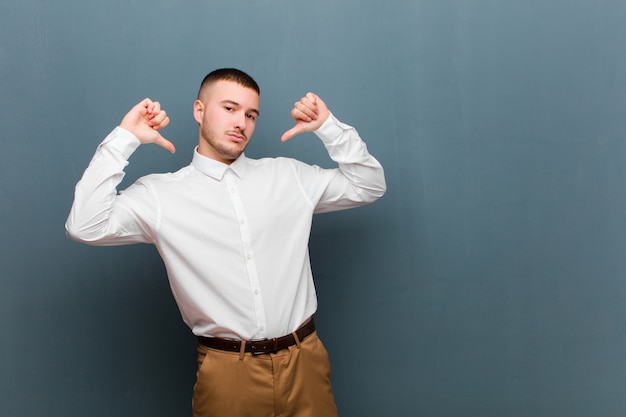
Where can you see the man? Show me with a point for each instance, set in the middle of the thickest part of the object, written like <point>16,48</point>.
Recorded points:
<point>233,233</point>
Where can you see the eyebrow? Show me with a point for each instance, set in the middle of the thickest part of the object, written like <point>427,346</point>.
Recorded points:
<point>234,103</point>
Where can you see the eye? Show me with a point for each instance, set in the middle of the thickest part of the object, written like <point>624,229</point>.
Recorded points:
<point>251,116</point>
<point>228,108</point>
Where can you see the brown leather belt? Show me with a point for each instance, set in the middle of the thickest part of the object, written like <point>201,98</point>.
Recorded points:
<point>259,347</point>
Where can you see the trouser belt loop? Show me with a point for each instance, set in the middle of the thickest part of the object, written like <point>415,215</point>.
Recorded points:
<point>297,339</point>
<point>242,350</point>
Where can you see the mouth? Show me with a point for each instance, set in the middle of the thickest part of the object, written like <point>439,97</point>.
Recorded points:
<point>236,136</point>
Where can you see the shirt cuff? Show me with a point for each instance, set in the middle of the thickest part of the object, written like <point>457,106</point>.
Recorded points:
<point>331,129</point>
<point>121,141</point>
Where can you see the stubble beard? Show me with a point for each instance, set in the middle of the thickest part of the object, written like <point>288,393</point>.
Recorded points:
<point>224,151</point>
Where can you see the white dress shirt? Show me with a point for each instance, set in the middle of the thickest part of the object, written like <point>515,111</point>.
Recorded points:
<point>234,238</point>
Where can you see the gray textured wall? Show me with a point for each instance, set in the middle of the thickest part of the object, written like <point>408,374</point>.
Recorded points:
<point>489,281</point>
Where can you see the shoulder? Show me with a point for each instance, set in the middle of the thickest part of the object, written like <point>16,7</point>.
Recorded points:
<point>281,164</point>
<point>273,162</point>
<point>284,167</point>
<point>168,177</point>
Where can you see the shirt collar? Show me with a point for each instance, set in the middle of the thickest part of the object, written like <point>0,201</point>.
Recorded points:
<point>216,169</point>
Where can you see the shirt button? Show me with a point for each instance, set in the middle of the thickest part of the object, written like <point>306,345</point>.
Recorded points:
<point>248,256</point>
<point>256,292</point>
<point>262,328</point>
<point>242,221</point>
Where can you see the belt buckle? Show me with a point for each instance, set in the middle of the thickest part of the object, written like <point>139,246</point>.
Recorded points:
<point>268,349</point>
<point>254,351</point>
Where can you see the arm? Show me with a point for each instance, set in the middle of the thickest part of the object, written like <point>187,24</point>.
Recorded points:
<point>360,178</point>
<point>98,215</point>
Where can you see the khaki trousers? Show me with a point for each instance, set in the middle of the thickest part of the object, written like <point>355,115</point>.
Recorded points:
<point>293,382</point>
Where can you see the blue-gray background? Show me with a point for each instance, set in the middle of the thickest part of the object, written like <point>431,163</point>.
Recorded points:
<point>489,281</point>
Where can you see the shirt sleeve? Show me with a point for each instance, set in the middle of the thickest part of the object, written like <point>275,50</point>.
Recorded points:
<point>359,179</point>
<point>99,216</point>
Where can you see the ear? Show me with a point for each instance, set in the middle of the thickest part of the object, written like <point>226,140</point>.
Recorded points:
<point>198,111</point>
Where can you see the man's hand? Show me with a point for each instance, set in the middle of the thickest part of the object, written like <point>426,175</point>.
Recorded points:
<point>145,120</point>
<point>309,113</point>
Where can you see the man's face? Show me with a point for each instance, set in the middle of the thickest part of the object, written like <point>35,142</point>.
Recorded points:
<point>226,114</point>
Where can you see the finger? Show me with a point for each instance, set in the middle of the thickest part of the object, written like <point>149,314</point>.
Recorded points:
<point>146,107</point>
<point>312,98</point>
<point>158,119</point>
<point>145,103</point>
<point>300,115</point>
<point>306,113</point>
<point>154,109</point>
<point>163,124</point>
<point>296,130</point>
<point>164,143</point>
<point>307,107</point>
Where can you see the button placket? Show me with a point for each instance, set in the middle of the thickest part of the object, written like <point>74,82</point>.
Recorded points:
<point>247,252</point>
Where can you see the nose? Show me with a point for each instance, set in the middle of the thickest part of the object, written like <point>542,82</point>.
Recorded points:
<point>241,121</point>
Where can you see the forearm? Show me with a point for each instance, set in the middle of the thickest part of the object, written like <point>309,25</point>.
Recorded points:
<point>91,217</point>
<point>361,176</point>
